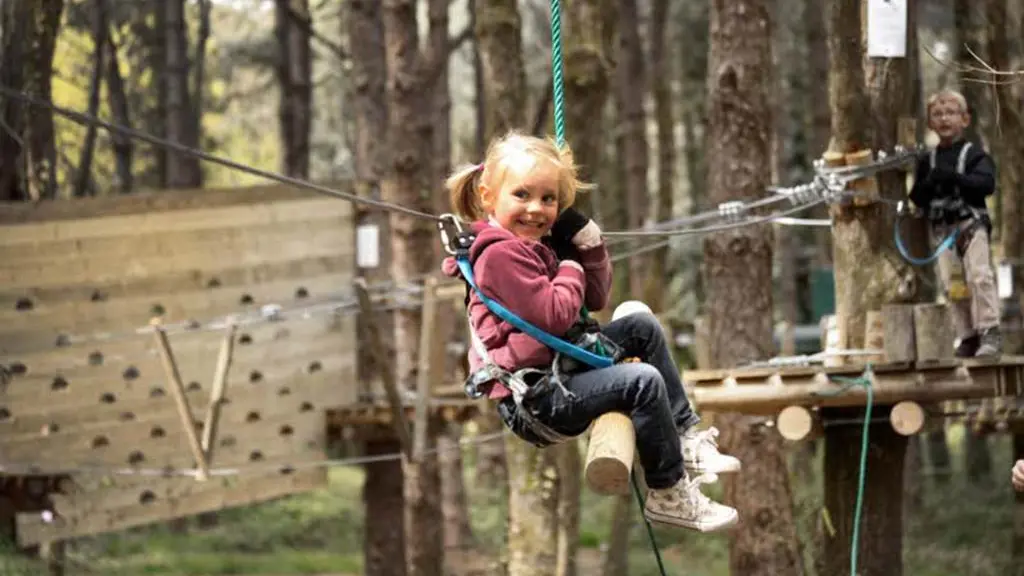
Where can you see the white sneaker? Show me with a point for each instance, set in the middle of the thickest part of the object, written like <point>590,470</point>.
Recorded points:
<point>686,506</point>
<point>701,455</point>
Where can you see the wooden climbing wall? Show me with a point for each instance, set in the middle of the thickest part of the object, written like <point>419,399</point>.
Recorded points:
<point>77,278</point>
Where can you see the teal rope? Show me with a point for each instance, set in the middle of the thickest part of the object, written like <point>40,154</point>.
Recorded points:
<point>863,380</point>
<point>650,530</point>
<point>557,97</point>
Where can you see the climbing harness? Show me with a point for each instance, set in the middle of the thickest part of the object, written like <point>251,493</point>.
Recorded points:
<point>949,211</point>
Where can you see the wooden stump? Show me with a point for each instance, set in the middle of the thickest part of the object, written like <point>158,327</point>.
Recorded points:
<point>865,189</point>
<point>933,332</point>
<point>610,454</point>
<point>898,329</point>
<point>797,423</point>
<point>907,418</point>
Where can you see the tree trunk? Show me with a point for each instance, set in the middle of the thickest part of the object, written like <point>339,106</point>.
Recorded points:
<point>384,538</point>
<point>458,533</point>
<point>971,31</point>
<point>616,557</point>
<point>664,116</point>
<point>117,100</point>
<point>532,510</point>
<point>818,122</point>
<point>868,271</point>
<point>738,272</point>
<point>99,37</point>
<point>630,94</point>
<point>28,154</point>
<point>199,70</point>
<point>1008,151</point>
<point>294,76</point>
<point>410,138</point>
<point>182,171</point>
<point>588,32</point>
<point>155,118</point>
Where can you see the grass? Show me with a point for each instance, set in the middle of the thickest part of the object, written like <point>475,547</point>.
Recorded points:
<point>960,529</point>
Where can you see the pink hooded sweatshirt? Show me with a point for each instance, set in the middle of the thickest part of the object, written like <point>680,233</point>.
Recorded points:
<point>526,277</point>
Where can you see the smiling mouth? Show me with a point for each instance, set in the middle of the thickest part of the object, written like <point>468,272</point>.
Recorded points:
<point>537,225</point>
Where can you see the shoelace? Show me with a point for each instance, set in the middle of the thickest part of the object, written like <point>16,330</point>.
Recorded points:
<point>693,494</point>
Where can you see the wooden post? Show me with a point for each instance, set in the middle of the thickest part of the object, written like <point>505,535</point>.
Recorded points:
<point>907,418</point>
<point>933,332</point>
<point>866,188</point>
<point>387,375</point>
<point>797,423</point>
<point>610,454</point>
<point>898,329</point>
<point>178,391</point>
<point>430,366</point>
<point>220,379</point>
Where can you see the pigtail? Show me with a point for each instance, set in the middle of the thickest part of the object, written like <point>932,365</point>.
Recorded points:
<point>463,190</point>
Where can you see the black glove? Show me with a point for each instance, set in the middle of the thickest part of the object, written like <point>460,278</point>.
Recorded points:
<point>568,224</point>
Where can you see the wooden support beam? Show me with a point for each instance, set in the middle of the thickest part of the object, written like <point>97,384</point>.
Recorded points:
<point>865,189</point>
<point>383,365</point>
<point>430,368</point>
<point>220,378</point>
<point>610,454</point>
<point>178,391</point>
<point>907,418</point>
<point>797,423</point>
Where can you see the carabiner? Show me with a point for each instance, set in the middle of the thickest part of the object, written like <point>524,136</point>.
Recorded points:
<point>445,238</point>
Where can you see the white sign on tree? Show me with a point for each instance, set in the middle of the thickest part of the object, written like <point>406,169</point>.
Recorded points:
<point>887,28</point>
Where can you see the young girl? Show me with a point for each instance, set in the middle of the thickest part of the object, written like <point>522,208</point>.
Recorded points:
<point>519,202</point>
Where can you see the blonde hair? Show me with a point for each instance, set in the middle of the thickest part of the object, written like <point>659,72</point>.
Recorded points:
<point>464,184</point>
<point>947,94</point>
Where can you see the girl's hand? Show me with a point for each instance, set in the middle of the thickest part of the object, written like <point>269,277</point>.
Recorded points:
<point>1018,476</point>
<point>568,225</point>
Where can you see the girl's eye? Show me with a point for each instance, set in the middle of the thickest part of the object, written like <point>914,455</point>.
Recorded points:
<point>550,198</point>
<point>520,193</point>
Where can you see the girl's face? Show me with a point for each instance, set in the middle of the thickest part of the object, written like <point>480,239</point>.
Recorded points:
<point>526,200</point>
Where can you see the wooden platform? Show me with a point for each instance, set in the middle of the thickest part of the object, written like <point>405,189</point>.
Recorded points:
<point>767,390</point>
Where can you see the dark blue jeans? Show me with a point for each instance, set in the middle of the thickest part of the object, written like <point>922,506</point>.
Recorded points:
<point>650,392</point>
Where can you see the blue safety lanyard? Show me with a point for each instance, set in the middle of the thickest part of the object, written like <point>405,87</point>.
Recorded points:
<point>555,343</point>
<point>946,244</point>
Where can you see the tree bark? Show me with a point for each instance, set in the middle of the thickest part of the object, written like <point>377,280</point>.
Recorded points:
<point>532,510</point>
<point>458,533</point>
<point>867,98</point>
<point>117,99</point>
<point>99,36</point>
<point>630,94</point>
<point>384,539</point>
<point>410,139</point>
<point>664,114</point>
<point>292,23</point>
<point>588,32</point>
<point>738,271</point>
<point>182,171</point>
<point>28,154</point>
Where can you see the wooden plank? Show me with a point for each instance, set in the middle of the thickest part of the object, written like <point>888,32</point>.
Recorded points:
<point>115,493</point>
<point>231,275</point>
<point>159,201</point>
<point>240,410</point>
<point>127,314</point>
<point>119,354</point>
<point>255,365</point>
<point>118,236</point>
<point>246,249</point>
<point>332,387</point>
<point>32,529</point>
<point>239,443</point>
<point>216,402</point>
<point>428,366</point>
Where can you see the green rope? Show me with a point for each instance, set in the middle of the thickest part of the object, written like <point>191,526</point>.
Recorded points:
<point>650,530</point>
<point>557,98</point>
<point>864,380</point>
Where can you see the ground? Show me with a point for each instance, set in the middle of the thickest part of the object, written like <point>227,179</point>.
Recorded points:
<point>961,529</point>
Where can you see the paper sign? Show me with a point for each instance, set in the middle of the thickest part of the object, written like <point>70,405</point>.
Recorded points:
<point>887,28</point>
<point>367,246</point>
<point>1004,281</point>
